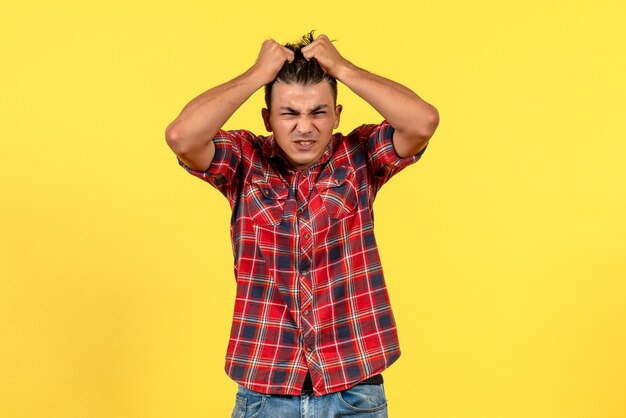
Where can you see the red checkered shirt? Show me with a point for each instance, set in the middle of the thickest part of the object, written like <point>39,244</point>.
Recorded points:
<point>310,289</point>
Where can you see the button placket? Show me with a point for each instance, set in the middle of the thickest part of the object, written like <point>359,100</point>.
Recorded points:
<point>305,243</point>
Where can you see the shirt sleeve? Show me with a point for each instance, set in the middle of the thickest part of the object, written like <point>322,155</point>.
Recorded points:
<point>383,161</point>
<point>223,171</point>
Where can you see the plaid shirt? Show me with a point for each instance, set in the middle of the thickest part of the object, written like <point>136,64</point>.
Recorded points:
<point>310,289</point>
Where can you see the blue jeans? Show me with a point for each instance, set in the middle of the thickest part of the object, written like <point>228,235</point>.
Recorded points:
<point>366,401</point>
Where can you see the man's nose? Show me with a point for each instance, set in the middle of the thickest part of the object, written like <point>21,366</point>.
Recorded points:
<point>304,125</point>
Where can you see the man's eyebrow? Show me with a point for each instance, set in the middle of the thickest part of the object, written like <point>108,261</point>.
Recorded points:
<point>315,109</point>
<point>289,109</point>
<point>318,108</point>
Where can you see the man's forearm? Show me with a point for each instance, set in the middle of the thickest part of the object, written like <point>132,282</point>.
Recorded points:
<point>204,116</point>
<point>401,107</point>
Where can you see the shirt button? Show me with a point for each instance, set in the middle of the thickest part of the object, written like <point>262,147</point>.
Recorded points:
<point>309,348</point>
<point>306,312</point>
<point>307,235</point>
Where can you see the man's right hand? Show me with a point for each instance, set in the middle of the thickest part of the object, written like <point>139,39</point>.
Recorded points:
<point>271,59</point>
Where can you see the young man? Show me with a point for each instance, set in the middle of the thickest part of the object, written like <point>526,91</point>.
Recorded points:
<point>312,325</point>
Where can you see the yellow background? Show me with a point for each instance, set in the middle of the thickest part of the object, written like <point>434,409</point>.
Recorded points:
<point>504,247</point>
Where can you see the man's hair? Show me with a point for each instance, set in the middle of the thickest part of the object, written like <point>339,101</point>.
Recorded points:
<point>301,71</point>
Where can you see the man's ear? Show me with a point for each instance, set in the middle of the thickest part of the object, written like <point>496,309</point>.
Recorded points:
<point>338,110</point>
<point>265,113</point>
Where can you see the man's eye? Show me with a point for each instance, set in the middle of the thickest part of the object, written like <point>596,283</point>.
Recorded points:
<point>319,113</point>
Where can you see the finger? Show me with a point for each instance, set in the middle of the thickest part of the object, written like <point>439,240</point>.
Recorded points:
<point>308,51</point>
<point>306,48</point>
<point>288,53</point>
<point>312,45</point>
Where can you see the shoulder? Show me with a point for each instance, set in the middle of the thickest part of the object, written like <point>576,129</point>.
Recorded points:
<point>351,148</point>
<point>364,137</point>
<point>240,136</point>
<point>243,141</point>
<point>364,132</point>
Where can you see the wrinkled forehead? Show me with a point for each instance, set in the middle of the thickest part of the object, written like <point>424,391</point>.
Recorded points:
<point>302,96</point>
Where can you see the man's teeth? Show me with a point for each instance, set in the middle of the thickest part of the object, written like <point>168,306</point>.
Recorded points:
<point>305,142</point>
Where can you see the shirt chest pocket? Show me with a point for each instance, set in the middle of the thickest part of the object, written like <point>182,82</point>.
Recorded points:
<point>338,192</point>
<point>265,201</point>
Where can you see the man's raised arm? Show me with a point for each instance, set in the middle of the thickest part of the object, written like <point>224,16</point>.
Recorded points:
<point>413,120</point>
<point>191,134</point>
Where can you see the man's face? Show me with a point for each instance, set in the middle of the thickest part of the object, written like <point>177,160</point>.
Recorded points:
<point>302,119</point>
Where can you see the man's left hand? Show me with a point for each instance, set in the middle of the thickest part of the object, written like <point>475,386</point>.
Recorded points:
<point>323,50</point>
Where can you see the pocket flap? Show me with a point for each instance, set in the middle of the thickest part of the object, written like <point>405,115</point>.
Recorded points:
<point>334,178</point>
<point>269,190</point>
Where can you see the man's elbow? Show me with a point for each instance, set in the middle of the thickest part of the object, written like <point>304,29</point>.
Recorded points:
<point>176,139</point>
<point>430,122</point>
<point>413,141</point>
<point>172,136</point>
